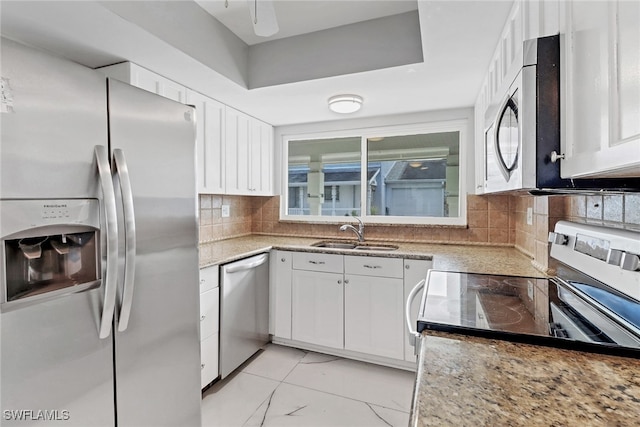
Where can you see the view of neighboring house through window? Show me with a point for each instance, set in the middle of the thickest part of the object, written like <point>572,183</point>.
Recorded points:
<point>324,177</point>
<point>392,176</point>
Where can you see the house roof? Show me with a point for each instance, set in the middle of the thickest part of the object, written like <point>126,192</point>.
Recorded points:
<point>409,170</point>
<point>332,176</point>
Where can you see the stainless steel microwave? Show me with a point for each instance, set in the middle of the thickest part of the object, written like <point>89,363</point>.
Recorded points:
<point>523,129</point>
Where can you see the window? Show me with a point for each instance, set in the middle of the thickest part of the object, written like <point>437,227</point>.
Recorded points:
<point>391,175</point>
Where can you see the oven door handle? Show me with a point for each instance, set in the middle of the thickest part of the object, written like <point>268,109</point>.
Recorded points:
<point>413,334</point>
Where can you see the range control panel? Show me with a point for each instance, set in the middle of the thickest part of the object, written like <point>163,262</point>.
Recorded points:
<point>610,255</point>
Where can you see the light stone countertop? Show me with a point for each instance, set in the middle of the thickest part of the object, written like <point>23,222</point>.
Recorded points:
<point>472,381</point>
<point>449,257</point>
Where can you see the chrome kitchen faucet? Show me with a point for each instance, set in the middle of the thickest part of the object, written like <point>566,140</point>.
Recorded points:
<point>359,231</point>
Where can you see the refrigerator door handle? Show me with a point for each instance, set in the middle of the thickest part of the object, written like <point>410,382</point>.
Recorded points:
<point>130,238</point>
<point>242,267</point>
<point>111,231</point>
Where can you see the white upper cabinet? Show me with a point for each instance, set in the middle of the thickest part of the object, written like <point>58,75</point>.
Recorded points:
<point>248,155</point>
<point>138,76</point>
<point>210,135</point>
<point>234,151</point>
<point>261,159</point>
<point>601,89</point>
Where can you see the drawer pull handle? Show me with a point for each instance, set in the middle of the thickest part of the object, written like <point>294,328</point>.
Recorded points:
<point>372,266</point>
<point>316,262</point>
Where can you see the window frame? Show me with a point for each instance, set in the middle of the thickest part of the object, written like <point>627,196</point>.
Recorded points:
<point>455,125</point>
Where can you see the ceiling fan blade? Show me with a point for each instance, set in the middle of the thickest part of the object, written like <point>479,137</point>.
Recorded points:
<point>266,23</point>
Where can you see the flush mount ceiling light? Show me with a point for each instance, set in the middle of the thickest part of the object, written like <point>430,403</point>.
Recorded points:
<point>345,104</point>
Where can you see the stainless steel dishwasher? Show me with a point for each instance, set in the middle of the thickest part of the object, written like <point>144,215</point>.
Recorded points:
<point>244,310</point>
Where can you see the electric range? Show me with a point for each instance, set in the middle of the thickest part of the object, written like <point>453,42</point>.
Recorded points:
<point>593,302</point>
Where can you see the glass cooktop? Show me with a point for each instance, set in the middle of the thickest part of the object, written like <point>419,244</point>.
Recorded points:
<point>576,310</point>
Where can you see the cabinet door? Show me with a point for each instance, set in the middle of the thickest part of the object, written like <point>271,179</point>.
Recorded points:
<point>261,159</point>
<point>414,271</point>
<point>626,102</point>
<point>317,308</point>
<point>237,134</point>
<point>209,312</point>
<point>209,360</point>
<point>280,294</point>
<point>602,90</point>
<point>373,315</point>
<point>209,278</point>
<point>209,143</point>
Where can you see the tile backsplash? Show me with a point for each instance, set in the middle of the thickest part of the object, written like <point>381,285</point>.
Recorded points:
<point>492,220</point>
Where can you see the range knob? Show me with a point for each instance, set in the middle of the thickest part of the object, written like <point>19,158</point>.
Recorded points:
<point>630,262</point>
<point>614,256</point>
<point>558,238</point>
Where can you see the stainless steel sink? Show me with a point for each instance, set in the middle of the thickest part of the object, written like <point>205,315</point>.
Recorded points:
<point>358,246</point>
<point>335,245</point>
<point>376,247</point>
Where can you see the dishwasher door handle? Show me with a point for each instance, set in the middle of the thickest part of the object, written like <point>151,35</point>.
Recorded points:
<point>243,267</point>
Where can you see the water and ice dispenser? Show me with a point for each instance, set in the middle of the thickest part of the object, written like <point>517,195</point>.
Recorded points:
<point>48,247</point>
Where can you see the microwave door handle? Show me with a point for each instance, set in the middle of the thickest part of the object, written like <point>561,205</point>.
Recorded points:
<point>413,334</point>
<point>111,231</point>
<point>130,238</point>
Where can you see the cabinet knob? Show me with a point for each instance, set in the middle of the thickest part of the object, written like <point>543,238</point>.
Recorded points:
<point>283,259</point>
<point>555,156</point>
<point>407,266</point>
<point>339,282</point>
<point>202,317</point>
<point>346,281</point>
<point>202,366</point>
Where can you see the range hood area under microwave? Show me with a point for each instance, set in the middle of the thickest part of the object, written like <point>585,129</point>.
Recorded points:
<point>523,130</point>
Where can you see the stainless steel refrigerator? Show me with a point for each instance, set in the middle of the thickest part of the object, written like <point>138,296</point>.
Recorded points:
<point>99,299</point>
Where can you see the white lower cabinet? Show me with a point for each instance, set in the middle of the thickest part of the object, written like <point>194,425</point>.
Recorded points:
<point>317,308</point>
<point>373,315</point>
<point>353,305</point>
<point>209,324</point>
<point>280,294</point>
<point>209,359</point>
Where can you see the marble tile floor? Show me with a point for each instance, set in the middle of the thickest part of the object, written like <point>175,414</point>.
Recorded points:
<point>283,386</point>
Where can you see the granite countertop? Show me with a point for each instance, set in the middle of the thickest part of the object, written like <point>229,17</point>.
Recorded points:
<point>466,380</point>
<point>449,257</point>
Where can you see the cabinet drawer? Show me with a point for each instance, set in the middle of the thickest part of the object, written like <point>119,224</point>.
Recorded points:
<point>318,262</point>
<point>374,266</point>
<point>208,360</point>
<point>209,309</point>
<point>209,278</point>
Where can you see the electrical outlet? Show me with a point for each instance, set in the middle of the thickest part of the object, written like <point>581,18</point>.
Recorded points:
<point>529,216</point>
<point>529,290</point>
<point>226,211</point>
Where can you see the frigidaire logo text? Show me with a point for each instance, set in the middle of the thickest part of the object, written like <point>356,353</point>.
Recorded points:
<point>36,415</point>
